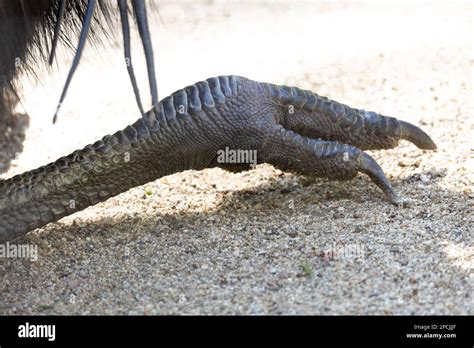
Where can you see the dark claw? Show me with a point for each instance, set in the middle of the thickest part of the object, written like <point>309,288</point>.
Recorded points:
<point>416,136</point>
<point>370,167</point>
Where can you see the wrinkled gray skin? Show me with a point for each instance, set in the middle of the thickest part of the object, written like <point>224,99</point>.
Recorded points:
<point>292,129</point>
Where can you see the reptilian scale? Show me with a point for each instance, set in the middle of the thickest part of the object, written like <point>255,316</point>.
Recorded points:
<point>292,129</point>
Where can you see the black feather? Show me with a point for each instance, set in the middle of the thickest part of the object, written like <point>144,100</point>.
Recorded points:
<point>122,4</point>
<point>27,32</point>
<point>80,47</point>
<point>139,8</point>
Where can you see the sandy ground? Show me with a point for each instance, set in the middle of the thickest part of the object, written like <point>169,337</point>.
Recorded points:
<point>267,242</point>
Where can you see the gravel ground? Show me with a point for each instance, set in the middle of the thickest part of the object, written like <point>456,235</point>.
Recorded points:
<point>264,241</point>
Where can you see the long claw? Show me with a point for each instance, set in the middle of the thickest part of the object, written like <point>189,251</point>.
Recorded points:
<point>370,167</point>
<point>417,136</point>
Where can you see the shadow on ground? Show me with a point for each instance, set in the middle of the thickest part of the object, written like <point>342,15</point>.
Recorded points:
<point>305,215</point>
<point>12,135</point>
